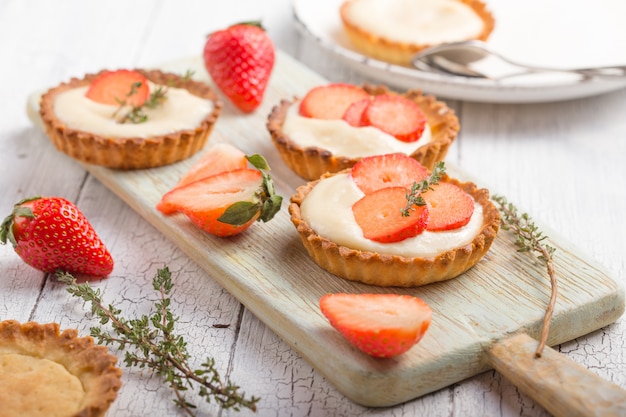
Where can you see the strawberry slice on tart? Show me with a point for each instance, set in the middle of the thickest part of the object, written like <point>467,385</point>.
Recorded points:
<point>390,170</point>
<point>120,87</point>
<point>331,101</point>
<point>449,206</point>
<point>380,325</point>
<point>396,115</point>
<point>380,216</point>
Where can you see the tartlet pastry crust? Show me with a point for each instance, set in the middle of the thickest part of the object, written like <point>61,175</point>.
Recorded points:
<point>397,52</point>
<point>391,270</point>
<point>132,152</point>
<point>312,162</point>
<point>91,364</point>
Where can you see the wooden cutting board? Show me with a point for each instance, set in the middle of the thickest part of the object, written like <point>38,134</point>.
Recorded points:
<point>268,270</point>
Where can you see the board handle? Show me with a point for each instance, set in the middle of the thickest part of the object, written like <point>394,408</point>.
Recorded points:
<point>562,386</point>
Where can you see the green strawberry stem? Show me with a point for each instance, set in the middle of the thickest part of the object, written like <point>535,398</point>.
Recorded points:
<point>6,227</point>
<point>266,201</point>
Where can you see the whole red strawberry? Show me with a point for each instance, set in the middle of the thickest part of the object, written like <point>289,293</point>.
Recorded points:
<point>51,233</point>
<point>240,59</point>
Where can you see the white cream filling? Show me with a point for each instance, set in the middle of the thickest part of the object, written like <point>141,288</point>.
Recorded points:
<point>417,21</point>
<point>342,139</point>
<point>180,110</point>
<point>328,210</point>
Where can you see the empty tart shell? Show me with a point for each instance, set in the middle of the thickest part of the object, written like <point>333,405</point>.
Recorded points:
<point>130,152</point>
<point>312,162</point>
<point>387,270</point>
<point>45,372</point>
<point>398,52</point>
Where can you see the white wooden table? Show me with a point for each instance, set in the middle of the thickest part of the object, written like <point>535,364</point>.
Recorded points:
<point>561,162</point>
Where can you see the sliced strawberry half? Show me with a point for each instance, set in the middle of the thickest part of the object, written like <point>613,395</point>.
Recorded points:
<point>449,206</point>
<point>206,200</point>
<point>219,158</point>
<point>119,87</point>
<point>391,170</point>
<point>381,325</point>
<point>330,101</point>
<point>354,113</point>
<point>397,116</point>
<point>379,214</point>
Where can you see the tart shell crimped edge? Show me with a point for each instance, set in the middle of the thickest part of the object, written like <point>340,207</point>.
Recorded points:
<point>312,162</point>
<point>90,363</point>
<point>132,152</point>
<point>392,270</point>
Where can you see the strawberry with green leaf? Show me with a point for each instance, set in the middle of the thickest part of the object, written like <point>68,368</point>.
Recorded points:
<point>381,325</point>
<point>227,203</point>
<point>51,233</point>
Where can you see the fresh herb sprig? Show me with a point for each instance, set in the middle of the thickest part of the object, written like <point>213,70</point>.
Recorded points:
<point>150,342</point>
<point>137,114</point>
<point>528,238</point>
<point>414,196</point>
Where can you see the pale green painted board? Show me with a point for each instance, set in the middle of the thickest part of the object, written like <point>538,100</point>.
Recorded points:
<point>268,270</point>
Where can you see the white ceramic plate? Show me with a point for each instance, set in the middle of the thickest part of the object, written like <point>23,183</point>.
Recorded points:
<point>552,33</point>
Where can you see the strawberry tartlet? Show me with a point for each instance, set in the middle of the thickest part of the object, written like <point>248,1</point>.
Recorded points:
<point>395,30</point>
<point>333,126</point>
<point>130,119</point>
<point>382,230</point>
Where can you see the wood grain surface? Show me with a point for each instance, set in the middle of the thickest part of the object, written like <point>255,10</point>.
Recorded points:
<point>268,271</point>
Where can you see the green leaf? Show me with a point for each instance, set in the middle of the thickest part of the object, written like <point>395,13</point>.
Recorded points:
<point>271,207</point>
<point>239,213</point>
<point>258,161</point>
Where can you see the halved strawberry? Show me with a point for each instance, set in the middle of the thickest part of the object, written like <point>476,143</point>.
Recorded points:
<point>206,200</point>
<point>354,113</point>
<point>381,325</point>
<point>449,206</point>
<point>391,170</point>
<point>219,158</point>
<point>397,116</point>
<point>330,101</point>
<point>228,203</point>
<point>379,214</point>
<point>119,87</point>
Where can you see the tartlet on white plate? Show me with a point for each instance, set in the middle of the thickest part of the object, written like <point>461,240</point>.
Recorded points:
<point>395,30</point>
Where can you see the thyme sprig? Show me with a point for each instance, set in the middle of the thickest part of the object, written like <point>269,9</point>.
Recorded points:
<point>528,238</point>
<point>414,196</point>
<point>150,342</point>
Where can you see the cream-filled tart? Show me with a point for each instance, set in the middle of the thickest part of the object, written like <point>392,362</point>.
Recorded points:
<point>312,146</point>
<point>173,123</point>
<point>48,373</point>
<point>395,30</point>
<point>323,213</point>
